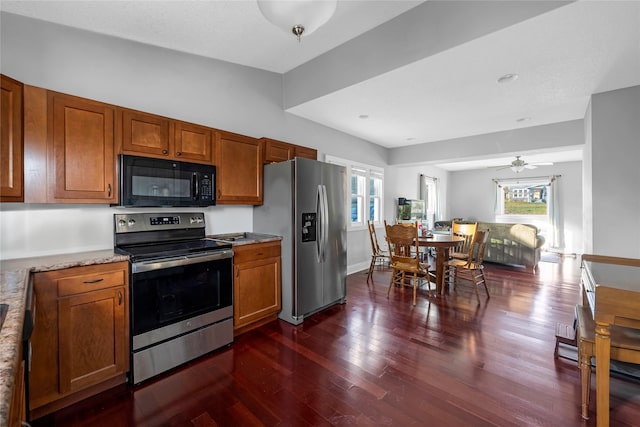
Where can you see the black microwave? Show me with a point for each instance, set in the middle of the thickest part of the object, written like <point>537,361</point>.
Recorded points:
<point>150,182</point>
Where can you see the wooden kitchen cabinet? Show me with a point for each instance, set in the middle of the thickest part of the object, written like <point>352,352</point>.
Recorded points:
<point>278,151</point>
<point>256,285</point>
<point>80,150</point>
<point>238,160</point>
<point>305,152</point>
<point>81,339</point>
<point>11,141</point>
<point>17,407</point>
<point>155,136</point>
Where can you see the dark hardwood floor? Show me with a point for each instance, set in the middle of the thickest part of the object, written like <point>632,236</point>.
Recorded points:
<point>376,361</point>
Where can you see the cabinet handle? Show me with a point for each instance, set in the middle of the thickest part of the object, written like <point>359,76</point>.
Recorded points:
<point>165,152</point>
<point>259,254</point>
<point>178,153</point>
<point>219,194</point>
<point>119,297</point>
<point>237,272</point>
<point>91,282</point>
<point>109,190</point>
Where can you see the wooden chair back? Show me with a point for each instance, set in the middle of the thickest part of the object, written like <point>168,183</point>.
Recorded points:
<point>375,246</point>
<point>475,256</point>
<point>467,232</point>
<point>404,249</point>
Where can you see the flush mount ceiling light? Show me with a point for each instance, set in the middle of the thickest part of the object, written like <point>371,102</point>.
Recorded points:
<point>508,78</point>
<point>298,16</point>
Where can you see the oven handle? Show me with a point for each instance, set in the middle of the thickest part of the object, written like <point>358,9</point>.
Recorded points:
<point>157,264</point>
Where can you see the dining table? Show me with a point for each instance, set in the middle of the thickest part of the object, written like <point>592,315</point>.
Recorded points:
<point>443,243</point>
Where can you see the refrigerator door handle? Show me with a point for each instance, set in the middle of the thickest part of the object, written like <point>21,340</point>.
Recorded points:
<point>325,222</point>
<point>319,225</point>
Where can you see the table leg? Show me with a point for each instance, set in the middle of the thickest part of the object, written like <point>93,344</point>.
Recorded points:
<point>603,355</point>
<point>442,255</point>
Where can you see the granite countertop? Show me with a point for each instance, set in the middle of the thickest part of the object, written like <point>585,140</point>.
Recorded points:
<point>245,238</point>
<point>14,280</point>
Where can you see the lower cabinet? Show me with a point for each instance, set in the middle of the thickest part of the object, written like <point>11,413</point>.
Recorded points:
<point>80,343</point>
<point>17,408</point>
<point>256,285</point>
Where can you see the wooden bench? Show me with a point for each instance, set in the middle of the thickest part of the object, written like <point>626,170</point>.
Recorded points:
<point>623,341</point>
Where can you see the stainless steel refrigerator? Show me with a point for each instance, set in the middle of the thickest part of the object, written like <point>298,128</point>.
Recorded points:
<point>304,202</point>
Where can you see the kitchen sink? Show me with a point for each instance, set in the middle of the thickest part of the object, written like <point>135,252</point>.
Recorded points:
<point>240,237</point>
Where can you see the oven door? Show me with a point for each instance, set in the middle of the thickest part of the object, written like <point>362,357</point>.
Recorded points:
<point>172,296</point>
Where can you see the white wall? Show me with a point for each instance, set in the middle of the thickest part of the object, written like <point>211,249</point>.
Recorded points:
<point>615,175</point>
<point>181,86</point>
<point>471,196</point>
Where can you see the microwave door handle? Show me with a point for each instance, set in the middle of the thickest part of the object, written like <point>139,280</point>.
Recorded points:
<point>194,186</point>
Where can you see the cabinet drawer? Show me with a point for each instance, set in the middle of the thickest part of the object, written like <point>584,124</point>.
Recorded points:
<point>90,282</point>
<point>254,252</point>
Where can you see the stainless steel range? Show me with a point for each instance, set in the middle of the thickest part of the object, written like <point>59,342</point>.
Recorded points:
<point>181,289</point>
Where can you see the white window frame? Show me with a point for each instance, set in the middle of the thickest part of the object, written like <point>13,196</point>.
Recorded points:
<point>540,221</point>
<point>367,171</point>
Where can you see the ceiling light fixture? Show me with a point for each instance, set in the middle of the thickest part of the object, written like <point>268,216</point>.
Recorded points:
<point>298,16</point>
<point>523,119</point>
<point>363,116</point>
<point>508,78</point>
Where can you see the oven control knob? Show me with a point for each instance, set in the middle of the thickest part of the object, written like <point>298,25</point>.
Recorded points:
<point>132,222</point>
<point>122,223</point>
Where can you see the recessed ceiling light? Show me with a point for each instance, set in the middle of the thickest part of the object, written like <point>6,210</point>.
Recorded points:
<point>523,119</point>
<point>410,139</point>
<point>363,116</point>
<point>508,78</point>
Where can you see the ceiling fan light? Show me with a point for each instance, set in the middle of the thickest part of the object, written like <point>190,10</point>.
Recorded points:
<point>518,168</point>
<point>298,16</point>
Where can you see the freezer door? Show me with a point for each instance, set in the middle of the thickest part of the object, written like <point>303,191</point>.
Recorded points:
<point>334,181</point>
<point>308,290</point>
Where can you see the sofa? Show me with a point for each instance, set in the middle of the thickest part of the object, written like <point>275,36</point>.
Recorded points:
<point>509,243</point>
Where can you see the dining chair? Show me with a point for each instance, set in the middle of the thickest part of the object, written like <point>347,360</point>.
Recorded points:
<point>378,255</point>
<point>472,268</point>
<point>466,231</point>
<point>404,250</point>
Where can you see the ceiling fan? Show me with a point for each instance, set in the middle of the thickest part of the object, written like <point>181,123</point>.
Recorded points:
<point>518,165</point>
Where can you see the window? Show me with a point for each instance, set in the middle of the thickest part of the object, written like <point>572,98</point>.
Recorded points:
<point>366,184</point>
<point>523,201</point>
<point>429,193</point>
<point>375,196</point>
<point>358,185</point>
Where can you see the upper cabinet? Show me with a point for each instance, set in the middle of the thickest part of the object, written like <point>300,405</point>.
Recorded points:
<point>238,160</point>
<point>11,142</point>
<point>155,136</point>
<point>80,150</point>
<point>278,151</point>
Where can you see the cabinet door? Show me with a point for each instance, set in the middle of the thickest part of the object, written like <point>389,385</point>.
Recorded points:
<point>193,143</point>
<point>81,150</point>
<point>256,290</point>
<point>145,134</point>
<point>277,151</point>
<point>305,152</point>
<point>11,142</point>
<point>92,338</point>
<point>239,169</point>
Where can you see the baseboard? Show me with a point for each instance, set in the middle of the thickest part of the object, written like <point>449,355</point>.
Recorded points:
<point>354,268</point>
